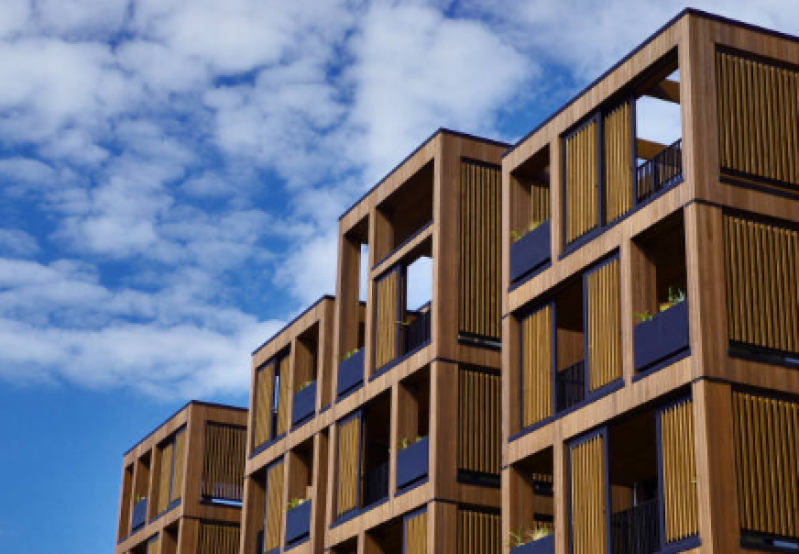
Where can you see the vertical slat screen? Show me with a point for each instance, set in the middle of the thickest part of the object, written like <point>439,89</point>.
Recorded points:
<point>588,497</point>
<point>154,545</point>
<point>262,418</point>
<point>415,534</point>
<point>479,421</point>
<point>679,471</point>
<point>165,475</point>
<point>767,463</point>
<point>386,318</point>
<point>762,273</point>
<point>218,539</point>
<point>617,162</point>
<point>274,506</point>
<point>758,107</point>
<point>284,394</point>
<point>180,464</point>
<point>478,532</point>
<point>537,366</point>
<point>480,206</point>
<point>603,293</point>
<point>223,462</point>
<point>582,180</point>
<point>349,439</point>
<point>539,202</point>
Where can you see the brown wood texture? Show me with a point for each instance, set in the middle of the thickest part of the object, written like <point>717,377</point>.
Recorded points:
<point>154,545</point>
<point>617,163</point>
<point>223,463</point>
<point>386,318</point>
<point>415,534</point>
<point>275,480</point>
<point>262,408</point>
<point>603,289</point>
<point>167,459</point>
<point>588,486</point>
<point>582,182</point>
<point>284,394</point>
<point>679,472</point>
<point>478,532</point>
<point>348,468</point>
<point>218,539</point>
<point>179,469</point>
<point>537,366</point>
<point>478,423</point>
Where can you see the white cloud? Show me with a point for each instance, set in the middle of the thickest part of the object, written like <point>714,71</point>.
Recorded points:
<point>16,242</point>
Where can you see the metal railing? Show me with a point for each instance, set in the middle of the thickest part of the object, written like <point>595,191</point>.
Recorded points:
<point>375,484</point>
<point>417,332</point>
<point>663,170</point>
<point>570,386</point>
<point>636,531</point>
<point>139,515</point>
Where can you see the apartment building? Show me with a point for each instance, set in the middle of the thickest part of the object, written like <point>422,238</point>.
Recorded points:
<point>182,484</point>
<point>651,318</point>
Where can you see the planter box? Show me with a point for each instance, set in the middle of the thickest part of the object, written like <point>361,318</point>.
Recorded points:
<point>304,404</point>
<point>139,515</point>
<point>665,335</point>
<point>412,463</point>
<point>545,545</point>
<point>350,373</point>
<point>298,522</point>
<point>530,252</point>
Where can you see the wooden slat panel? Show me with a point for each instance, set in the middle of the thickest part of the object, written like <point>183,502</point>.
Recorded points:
<point>581,182</point>
<point>758,105</point>
<point>154,545</point>
<point>603,293</point>
<point>480,206</point>
<point>180,464</point>
<point>223,462</point>
<point>386,318</point>
<point>349,438</point>
<point>588,497</point>
<point>537,366</point>
<point>415,534</point>
<point>679,471</point>
<point>539,199</point>
<point>617,162</point>
<point>262,418</point>
<point>767,463</point>
<point>762,290</point>
<point>165,475</point>
<point>478,532</point>
<point>218,539</point>
<point>479,421</point>
<point>284,393</point>
<point>274,506</point>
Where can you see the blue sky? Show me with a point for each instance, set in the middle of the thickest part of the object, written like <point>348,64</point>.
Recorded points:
<point>171,177</point>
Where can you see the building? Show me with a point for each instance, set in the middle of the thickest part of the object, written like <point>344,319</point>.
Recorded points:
<point>182,484</point>
<point>651,320</point>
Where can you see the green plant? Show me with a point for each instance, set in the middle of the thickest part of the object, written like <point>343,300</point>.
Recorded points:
<point>350,354</point>
<point>676,297</point>
<point>404,443</point>
<point>305,385</point>
<point>522,536</point>
<point>643,316</point>
<point>138,498</point>
<point>294,502</point>
<point>515,235</point>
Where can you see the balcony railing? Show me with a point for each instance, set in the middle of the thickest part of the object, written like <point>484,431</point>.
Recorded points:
<point>570,386</point>
<point>417,332</point>
<point>659,173</point>
<point>139,514</point>
<point>635,531</point>
<point>375,484</point>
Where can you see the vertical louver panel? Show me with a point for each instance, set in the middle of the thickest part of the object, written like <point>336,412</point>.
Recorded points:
<point>767,463</point>
<point>537,366</point>
<point>539,202</point>
<point>480,206</point>
<point>284,393</point>
<point>218,539</point>
<point>478,532</point>
<point>179,465</point>
<point>588,497</point>
<point>415,534</point>
<point>762,271</point>
<point>274,506</point>
<point>262,418</point>
<point>165,475</point>
<point>603,293</point>
<point>386,289</point>
<point>582,180</point>
<point>154,545</point>
<point>349,450</point>
<point>679,471</point>
<point>617,162</point>
<point>223,462</point>
<point>478,424</point>
<point>758,105</point>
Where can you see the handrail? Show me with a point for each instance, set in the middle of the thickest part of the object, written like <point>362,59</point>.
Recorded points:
<point>416,332</point>
<point>375,484</point>
<point>660,172</point>
<point>570,386</point>
<point>636,530</point>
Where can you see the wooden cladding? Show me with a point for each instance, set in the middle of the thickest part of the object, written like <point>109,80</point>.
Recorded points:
<point>386,318</point>
<point>478,532</point>
<point>539,202</point>
<point>480,214</point>
<point>767,463</point>
<point>348,464</point>
<point>679,471</point>
<point>582,180</point>
<point>758,107</point>
<point>154,545</point>
<point>537,366</point>
<point>274,505</point>
<point>223,462</point>
<point>588,496</point>
<point>284,394</point>
<point>218,539</point>
<point>170,470</point>
<point>264,396</point>
<point>478,421</point>
<point>762,274</point>
<point>179,467</point>
<point>603,292</point>
<point>165,475</point>
<point>617,162</point>
<point>415,534</point>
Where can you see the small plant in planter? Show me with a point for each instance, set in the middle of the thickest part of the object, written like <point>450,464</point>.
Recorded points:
<point>294,502</point>
<point>305,385</point>
<point>515,235</point>
<point>643,316</point>
<point>350,354</point>
<point>520,537</point>
<point>675,296</point>
<point>138,498</point>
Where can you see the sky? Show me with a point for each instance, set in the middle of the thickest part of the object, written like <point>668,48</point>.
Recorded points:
<point>171,176</point>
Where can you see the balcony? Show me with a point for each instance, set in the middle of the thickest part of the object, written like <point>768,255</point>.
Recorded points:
<point>544,545</point>
<point>661,337</point>
<point>530,252</point>
<point>412,463</point>
<point>139,515</point>
<point>659,173</point>
<point>375,484</point>
<point>350,373</point>
<point>298,522</point>
<point>570,386</point>
<point>636,530</point>
<point>416,333</point>
<point>304,404</point>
